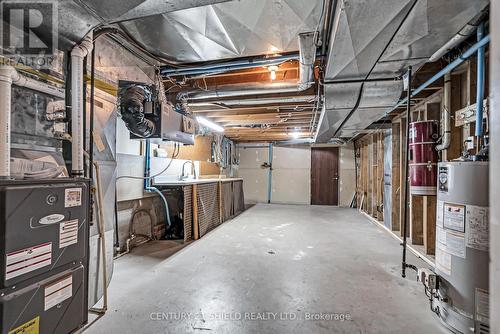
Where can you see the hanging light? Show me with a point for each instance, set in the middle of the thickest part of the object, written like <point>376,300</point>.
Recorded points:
<point>209,124</point>
<point>295,134</point>
<point>272,69</point>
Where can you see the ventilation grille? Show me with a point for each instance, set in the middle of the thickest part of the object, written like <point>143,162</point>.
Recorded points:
<point>484,329</point>
<point>227,200</point>
<point>208,207</point>
<point>188,213</point>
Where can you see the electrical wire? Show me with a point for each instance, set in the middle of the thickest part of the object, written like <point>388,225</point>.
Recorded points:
<point>175,153</point>
<point>321,18</point>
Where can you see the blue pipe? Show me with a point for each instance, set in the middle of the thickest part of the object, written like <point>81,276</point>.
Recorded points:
<point>480,82</point>
<point>147,166</point>
<point>147,182</point>
<point>270,174</point>
<point>450,67</point>
<point>228,66</point>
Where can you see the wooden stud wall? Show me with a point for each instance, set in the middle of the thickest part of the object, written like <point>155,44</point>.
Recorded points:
<point>370,189</point>
<point>427,106</point>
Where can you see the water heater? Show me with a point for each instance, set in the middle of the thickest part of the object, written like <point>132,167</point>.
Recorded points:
<point>462,228</point>
<point>423,157</point>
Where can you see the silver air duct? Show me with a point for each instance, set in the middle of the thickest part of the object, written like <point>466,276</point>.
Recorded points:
<point>461,36</point>
<point>307,51</point>
<point>258,101</point>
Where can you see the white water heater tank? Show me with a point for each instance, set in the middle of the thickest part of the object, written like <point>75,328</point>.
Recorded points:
<point>462,228</point>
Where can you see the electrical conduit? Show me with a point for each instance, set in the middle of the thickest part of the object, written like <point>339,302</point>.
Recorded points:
<point>480,82</point>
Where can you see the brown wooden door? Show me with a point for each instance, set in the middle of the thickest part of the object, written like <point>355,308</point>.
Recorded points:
<point>325,176</point>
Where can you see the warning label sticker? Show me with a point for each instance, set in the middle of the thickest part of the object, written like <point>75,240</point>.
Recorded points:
<point>477,227</point>
<point>68,233</point>
<point>455,244</point>
<point>440,236</point>
<point>72,197</point>
<point>30,327</point>
<point>59,291</point>
<point>454,217</point>
<point>443,261</point>
<point>27,260</point>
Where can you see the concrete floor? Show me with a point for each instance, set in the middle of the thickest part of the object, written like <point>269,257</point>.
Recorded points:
<point>273,269</point>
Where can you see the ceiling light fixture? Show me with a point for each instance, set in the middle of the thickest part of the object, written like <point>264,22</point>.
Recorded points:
<point>209,124</point>
<point>273,69</point>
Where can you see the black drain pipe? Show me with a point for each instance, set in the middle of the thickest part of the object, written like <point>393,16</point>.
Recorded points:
<point>405,265</point>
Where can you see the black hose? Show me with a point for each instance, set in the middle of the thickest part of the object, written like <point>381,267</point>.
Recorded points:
<point>117,238</point>
<point>67,97</point>
<point>92,111</point>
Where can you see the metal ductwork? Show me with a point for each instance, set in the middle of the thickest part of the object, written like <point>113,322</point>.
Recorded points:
<point>375,41</point>
<point>255,102</point>
<point>224,30</point>
<point>467,31</point>
<point>307,57</point>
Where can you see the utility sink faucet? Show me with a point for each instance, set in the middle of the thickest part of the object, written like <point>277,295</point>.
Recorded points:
<point>193,170</point>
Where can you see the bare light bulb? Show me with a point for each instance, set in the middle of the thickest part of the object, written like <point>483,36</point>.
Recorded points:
<point>273,75</point>
<point>272,69</point>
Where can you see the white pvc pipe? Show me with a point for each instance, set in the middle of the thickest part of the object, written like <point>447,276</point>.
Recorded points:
<point>22,81</point>
<point>446,118</point>
<point>6,73</point>
<point>77,54</point>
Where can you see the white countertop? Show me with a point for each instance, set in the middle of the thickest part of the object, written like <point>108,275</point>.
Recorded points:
<point>159,181</point>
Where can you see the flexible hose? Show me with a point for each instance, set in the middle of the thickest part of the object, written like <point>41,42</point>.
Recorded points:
<point>167,211</point>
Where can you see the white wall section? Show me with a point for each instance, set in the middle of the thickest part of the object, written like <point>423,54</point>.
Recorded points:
<point>291,177</point>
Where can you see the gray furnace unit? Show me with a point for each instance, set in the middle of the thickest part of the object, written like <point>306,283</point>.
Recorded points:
<point>462,244</point>
<point>44,255</point>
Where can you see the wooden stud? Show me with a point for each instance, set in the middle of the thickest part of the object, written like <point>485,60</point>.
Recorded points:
<point>430,224</point>
<point>417,220</point>
<point>396,178</point>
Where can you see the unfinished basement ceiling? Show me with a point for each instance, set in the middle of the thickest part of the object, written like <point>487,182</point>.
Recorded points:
<point>373,40</point>
<point>270,117</point>
<point>227,30</point>
<point>77,17</point>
